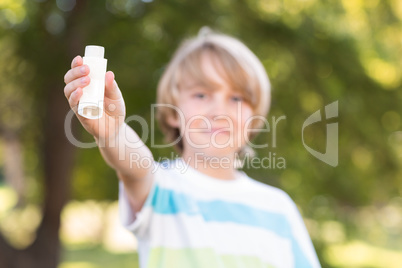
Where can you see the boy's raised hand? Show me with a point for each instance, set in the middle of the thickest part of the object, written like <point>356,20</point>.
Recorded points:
<point>114,111</point>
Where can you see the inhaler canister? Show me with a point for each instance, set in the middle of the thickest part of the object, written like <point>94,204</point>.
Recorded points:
<point>91,102</point>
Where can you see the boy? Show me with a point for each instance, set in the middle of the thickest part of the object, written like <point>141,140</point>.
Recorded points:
<point>199,210</point>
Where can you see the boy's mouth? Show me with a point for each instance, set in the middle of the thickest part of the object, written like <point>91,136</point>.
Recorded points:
<point>220,130</point>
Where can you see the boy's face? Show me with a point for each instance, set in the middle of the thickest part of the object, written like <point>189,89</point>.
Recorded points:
<point>212,121</point>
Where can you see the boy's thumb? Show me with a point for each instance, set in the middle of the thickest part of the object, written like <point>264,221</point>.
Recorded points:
<point>112,90</point>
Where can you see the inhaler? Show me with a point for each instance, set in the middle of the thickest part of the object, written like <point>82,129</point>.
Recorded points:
<point>91,102</point>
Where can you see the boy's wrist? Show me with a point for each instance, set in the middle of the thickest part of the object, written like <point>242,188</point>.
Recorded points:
<point>110,139</point>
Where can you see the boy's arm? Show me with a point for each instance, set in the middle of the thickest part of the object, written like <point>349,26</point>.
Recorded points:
<point>114,138</point>
<point>123,153</point>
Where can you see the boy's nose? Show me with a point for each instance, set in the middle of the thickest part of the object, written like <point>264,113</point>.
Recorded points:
<point>218,107</point>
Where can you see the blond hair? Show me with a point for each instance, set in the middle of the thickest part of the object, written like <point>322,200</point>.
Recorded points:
<point>242,69</point>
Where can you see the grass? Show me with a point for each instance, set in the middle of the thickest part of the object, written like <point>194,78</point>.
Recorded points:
<point>96,257</point>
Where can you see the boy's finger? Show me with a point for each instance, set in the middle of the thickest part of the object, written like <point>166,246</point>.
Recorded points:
<point>112,90</point>
<point>75,73</point>
<point>80,82</point>
<point>74,99</point>
<point>77,61</point>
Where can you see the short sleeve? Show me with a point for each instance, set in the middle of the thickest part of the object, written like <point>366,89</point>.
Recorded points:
<point>304,252</point>
<point>137,223</point>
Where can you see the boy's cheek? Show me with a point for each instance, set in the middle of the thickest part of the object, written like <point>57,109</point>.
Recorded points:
<point>246,113</point>
<point>193,123</point>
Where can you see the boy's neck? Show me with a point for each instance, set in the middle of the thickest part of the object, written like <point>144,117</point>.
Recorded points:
<point>221,168</point>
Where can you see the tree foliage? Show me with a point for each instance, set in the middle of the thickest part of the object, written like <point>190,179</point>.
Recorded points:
<point>315,53</point>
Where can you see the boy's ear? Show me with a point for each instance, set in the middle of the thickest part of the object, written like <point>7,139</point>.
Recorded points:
<point>173,121</point>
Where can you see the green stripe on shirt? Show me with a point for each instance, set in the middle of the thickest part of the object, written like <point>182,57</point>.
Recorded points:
<point>163,257</point>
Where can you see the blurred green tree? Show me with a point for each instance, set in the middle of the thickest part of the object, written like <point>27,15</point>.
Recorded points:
<point>42,41</point>
<point>315,52</point>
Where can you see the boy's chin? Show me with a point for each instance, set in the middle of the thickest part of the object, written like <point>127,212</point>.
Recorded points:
<point>220,147</point>
<point>213,152</point>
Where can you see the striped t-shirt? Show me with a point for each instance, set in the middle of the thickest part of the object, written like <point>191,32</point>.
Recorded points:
<point>191,220</point>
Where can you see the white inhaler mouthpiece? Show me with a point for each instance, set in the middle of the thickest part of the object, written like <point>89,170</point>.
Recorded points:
<point>91,102</point>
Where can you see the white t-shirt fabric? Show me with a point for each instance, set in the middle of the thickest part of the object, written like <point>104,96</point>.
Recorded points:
<point>191,220</point>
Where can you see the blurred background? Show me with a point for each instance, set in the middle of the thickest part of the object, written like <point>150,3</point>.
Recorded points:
<point>58,203</point>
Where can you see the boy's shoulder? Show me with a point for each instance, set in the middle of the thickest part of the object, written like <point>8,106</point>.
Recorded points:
<point>246,187</point>
<point>263,187</point>
<point>269,191</point>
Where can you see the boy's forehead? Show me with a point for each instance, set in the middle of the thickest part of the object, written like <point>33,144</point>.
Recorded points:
<point>188,81</point>
<point>191,84</point>
<point>204,80</point>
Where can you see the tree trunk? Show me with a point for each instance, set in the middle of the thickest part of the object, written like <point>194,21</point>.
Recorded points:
<point>14,165</point>
<point>58,161</point>
<point>58,155</point>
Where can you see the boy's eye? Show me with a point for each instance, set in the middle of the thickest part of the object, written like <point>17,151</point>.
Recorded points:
<point>200,95</point>
<point>237,98</point>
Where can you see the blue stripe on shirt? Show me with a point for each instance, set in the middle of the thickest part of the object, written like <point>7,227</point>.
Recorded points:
<point>167,201</point>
